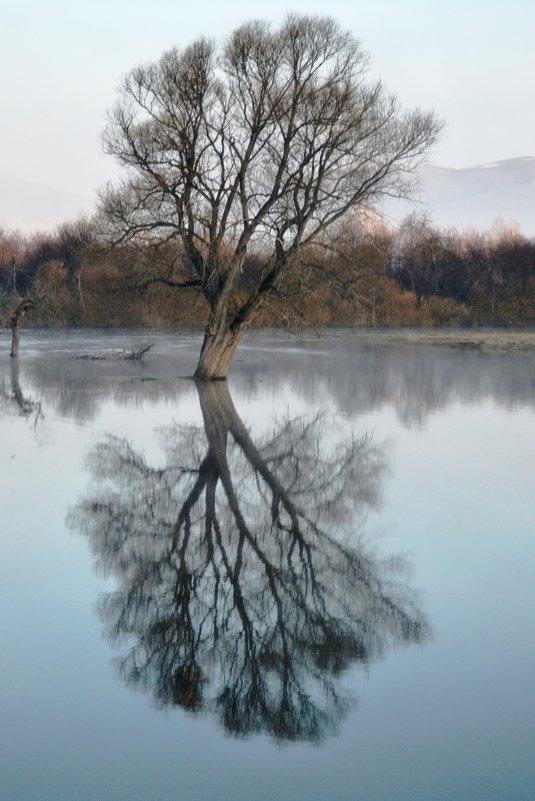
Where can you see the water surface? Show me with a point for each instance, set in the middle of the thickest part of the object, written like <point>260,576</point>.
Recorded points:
<point>315,583</point>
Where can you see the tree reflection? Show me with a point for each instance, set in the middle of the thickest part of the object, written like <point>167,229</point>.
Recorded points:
<point>244,587</point>
<point>13,397</point>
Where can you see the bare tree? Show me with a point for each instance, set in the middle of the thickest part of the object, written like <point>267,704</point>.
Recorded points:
<point>16,319</point>
<point>13,310</point>
<point>71,243</point>
<point>255,146</point>
<point>21,290</point>
<point>417,252</point>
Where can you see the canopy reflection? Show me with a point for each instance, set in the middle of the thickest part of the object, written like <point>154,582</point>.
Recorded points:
<point>244,588</point>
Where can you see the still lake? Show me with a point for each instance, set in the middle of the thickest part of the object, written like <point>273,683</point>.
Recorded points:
<point>312,583</point>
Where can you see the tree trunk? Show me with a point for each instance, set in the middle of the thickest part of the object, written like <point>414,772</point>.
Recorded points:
<point>16,323</point>
<point>16,320</point>
<point>217,353</point>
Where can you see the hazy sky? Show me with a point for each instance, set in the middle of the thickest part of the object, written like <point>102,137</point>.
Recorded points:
<point>473,62</point>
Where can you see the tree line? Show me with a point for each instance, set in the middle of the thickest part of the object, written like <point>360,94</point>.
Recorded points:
<point>365,274</point>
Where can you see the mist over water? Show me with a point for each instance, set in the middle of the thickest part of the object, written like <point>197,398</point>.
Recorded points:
<point>352,376</point>
<point>317,581</point>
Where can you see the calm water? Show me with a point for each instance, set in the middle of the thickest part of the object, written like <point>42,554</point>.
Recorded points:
<point>315,583</point>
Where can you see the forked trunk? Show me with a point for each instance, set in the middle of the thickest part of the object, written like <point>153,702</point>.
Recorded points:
<point>217,353</point>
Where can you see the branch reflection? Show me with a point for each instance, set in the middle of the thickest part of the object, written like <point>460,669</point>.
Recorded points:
<point>244,587</point>
<point>13,397</point>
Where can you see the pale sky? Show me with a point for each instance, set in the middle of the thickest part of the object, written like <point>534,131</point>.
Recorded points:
<point>473,62</point>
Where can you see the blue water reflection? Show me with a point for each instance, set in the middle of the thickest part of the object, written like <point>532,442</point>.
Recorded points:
<point>243,585</point>
<point>446,443</point>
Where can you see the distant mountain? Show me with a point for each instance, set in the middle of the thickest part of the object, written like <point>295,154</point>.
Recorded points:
<point>29,206</point>
<point>475,197</point>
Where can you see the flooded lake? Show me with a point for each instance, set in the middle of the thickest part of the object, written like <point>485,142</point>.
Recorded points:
<point>313,582</point>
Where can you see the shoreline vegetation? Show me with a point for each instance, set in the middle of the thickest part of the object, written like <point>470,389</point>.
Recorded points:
<point>416,285</point>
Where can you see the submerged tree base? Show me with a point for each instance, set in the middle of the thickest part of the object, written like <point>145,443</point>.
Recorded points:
<point>217,353</point>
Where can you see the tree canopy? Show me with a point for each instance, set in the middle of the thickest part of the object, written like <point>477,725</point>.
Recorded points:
<point>258,144</point>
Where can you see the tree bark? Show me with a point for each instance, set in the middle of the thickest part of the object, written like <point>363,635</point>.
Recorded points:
<point>16,323</point>
<point>217,353</point>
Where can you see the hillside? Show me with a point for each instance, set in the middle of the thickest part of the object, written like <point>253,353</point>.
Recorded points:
<point>474,197</point>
